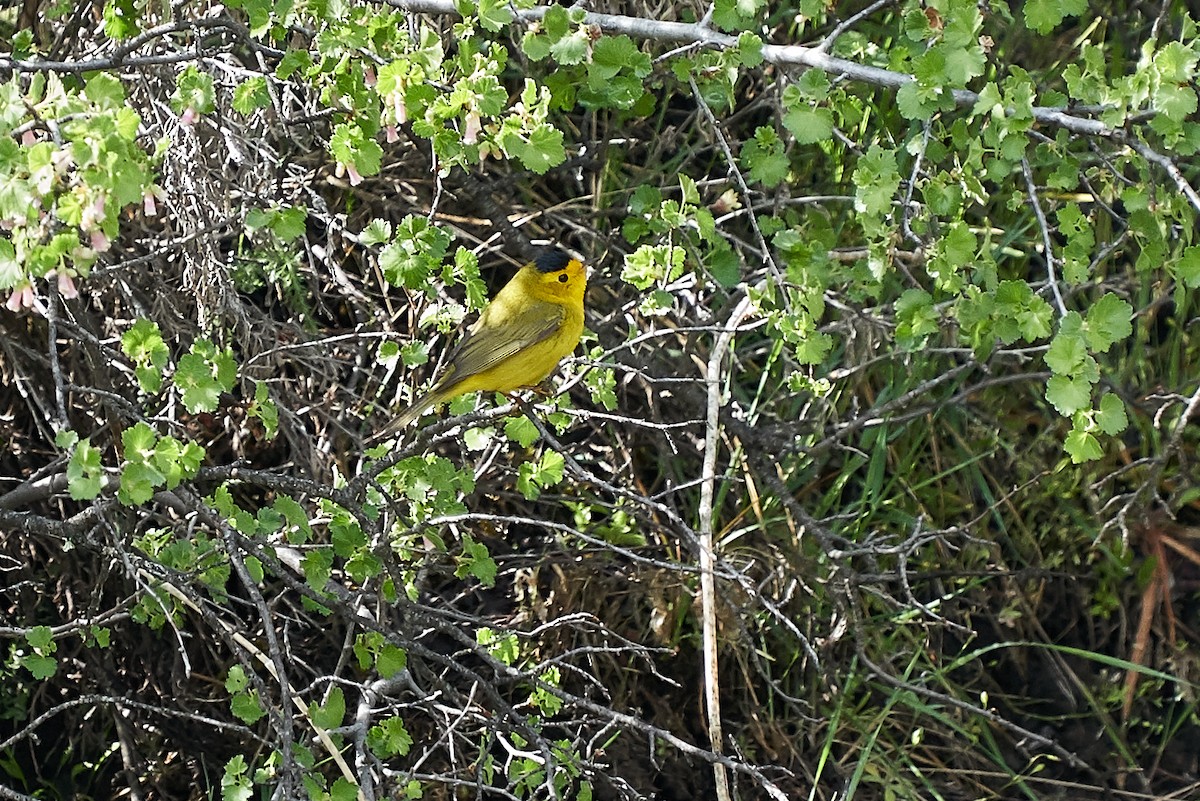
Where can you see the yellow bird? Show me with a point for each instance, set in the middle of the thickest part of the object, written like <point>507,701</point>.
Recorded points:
<point>518,340</point>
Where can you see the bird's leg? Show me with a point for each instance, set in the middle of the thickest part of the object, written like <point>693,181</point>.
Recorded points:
<point>543,390</point>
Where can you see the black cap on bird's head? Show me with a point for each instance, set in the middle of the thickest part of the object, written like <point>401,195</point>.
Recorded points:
<point>551,261</point>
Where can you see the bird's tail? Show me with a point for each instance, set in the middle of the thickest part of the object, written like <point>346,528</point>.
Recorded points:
<point>408,416</point>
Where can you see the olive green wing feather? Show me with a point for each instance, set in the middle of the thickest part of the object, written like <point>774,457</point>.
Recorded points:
<point>486,345</point>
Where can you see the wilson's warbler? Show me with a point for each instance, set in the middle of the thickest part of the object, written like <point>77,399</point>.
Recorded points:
<point>518,340</point>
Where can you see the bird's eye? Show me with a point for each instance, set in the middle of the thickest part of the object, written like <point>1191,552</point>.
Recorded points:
<point>562,279</point>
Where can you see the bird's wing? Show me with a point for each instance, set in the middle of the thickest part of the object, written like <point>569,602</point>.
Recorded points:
<point>488,343</point>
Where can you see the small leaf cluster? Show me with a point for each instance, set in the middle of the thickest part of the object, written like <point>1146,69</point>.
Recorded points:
<point>944,52</point>
<point>1076,373</point>
<point>153,462</point>
<point>376,75</point>
<point>598,72</point>
<point>527,775</point>
<point>198,554</point>
<point>244,702</point>
<point>675,229</point>
<point>268,255</point>
<point>794,308</point>
<point>37,656</point>
<point>70,165</point>
<point>806,115</point>
<point>201,375</point>
<point>716,72</point>
<point>1162,84</point>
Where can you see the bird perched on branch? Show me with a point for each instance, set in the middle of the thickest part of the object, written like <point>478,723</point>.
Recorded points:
<point>518,340</point>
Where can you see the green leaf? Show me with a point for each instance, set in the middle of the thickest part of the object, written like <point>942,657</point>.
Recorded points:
<point>318,568</point>
<point>101,635</point>
<point>547,702</point>
<point>813,84</point>
<point>913,102</point>
<point>963,64</point>
<point>84,473</point>
<point>1044,16</point>
<point>536,46</point>
<point>539,39</point>
<point>246,707</point>
<point>343,790</point>
<point>293,61</point>
<point>418,250</point>
<point>203,374</point>
<point>12,271</point>
<point>813,348</point>
<point>504,647</point>
<point>724,267</point>
<point>764,158</point>
<point>169,459</point>
<point>1108,322</point>
<point>1176,63</point>
<point>138,483</point>
<point>22,44</point>
<point>573,48</point>
<point>236,679</point>
<point>346,536</point>
<point>298,530</point>
<point>1081,238</point>
<point>539,150</point>
<point>1068,350</point>
<point>1069,395</point>
<point>916,319</point>
<point>194,90</point>
<point>141,476</point>
<point>494,14</point>
<point>143,343</point>
<point>953,256</point>
<point>41,638</point>
<point>521,430</point>
<point>876,181</point>
<point>749,50</point>
<point>735,15</point>
<point>235,784</point>
<point>254,567</point>
<point>376,232</point>
<point>258,14</point>
<point>41,667</point>
<point>285,222</point>
<point>251,95</point>
<point>1187,268</point>
<point>330,714</point>
<point>120,19</point>
<point>1082,446</point>
<point>264,409</point>
<point>533,478</point>
<point>476,439</point>
<point>389,738</point>
<point>1111,417</point>
<point>809,125</point>
<point>612,55</point>
<point>652,264</point>
<point>476,561</point>
<point>1176,102</point>
<point>351,147</point>
<point>391,660</point>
